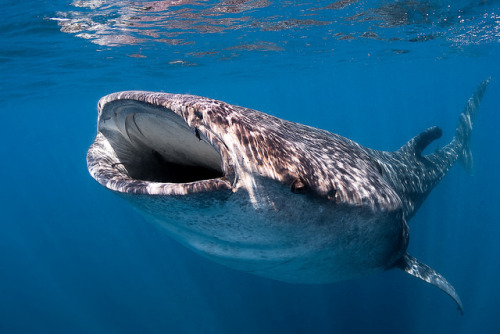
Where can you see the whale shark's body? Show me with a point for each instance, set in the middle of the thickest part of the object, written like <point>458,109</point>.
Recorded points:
<point>269,196</point>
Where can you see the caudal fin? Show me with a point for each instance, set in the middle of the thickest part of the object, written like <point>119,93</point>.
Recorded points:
<point>465,124</point>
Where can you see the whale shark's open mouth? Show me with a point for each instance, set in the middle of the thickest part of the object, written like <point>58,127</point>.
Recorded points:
<point>157,145</point>
<point>149,149</point>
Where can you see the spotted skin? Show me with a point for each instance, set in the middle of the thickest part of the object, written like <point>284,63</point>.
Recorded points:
<point>292,203</point>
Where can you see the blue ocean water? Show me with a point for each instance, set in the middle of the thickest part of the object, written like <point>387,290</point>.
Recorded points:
<point>74,258</point>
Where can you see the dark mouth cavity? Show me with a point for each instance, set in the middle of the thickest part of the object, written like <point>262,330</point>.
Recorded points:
<point>156,145</point>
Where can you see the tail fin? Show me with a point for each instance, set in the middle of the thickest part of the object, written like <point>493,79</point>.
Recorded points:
<point>464,127</point>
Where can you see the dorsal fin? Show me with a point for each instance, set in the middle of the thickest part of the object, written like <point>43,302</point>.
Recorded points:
<point>418,269</point>
<point>417,144</point>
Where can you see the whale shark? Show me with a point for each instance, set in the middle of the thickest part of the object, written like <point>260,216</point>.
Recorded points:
<point>268,196</point>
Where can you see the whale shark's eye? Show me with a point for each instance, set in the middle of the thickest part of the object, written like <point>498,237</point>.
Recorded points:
<point>331,194</point>
<point>298,186</point>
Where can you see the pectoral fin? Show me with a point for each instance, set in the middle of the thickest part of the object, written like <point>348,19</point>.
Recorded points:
<point>418,269</point>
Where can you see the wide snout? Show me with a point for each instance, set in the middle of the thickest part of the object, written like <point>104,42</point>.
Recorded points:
<point>144,148</point>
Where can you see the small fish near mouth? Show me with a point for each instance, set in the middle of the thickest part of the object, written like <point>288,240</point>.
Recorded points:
<point>268,196</point>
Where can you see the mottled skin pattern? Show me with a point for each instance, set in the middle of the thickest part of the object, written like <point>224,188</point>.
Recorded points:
<point>293,203</point>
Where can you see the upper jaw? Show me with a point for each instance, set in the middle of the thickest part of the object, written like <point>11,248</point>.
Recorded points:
<point>149,147</point>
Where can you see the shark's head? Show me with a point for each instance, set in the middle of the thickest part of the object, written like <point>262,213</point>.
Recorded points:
<point>167,144</point>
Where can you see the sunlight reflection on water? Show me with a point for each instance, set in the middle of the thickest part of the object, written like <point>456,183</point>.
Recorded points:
<point>227,28</point>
